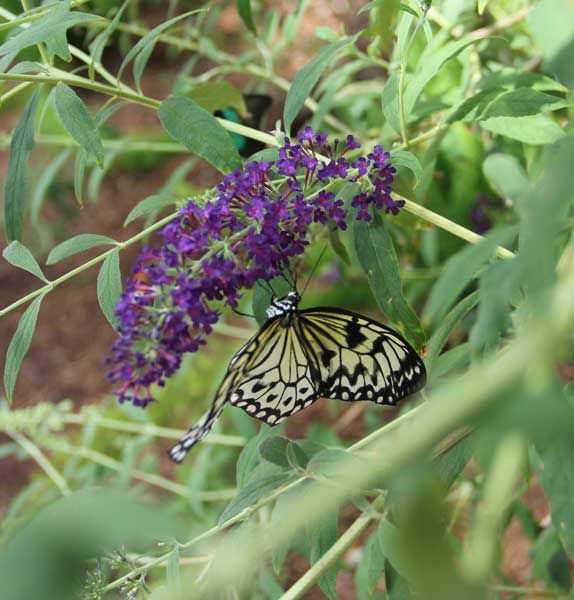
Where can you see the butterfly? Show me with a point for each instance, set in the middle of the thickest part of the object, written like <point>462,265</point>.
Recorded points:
<point>299,356</point>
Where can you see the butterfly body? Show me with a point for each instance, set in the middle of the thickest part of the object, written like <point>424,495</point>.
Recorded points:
<point>299,356</point>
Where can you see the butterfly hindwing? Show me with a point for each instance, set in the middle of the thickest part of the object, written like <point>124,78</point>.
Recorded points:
<point>358,358</point>
<point>279,381</point>
<point>240,361</point>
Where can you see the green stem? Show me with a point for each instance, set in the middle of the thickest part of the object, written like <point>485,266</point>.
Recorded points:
<point>448,225</point>
<point>98,259</point>
<point>37,454</point>
<point>504,472</point>
<point>123,145</point>
<point>319,568</point>
<point>149,478</point>
<point>89,417</point>
<point>73,80</point>
<point>14,91</point>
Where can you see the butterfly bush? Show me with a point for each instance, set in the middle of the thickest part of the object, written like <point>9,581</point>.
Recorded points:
<point>258,220</point>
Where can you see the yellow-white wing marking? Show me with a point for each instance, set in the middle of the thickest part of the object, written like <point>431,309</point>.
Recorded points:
<point>278,381</point>
<point>238,363</point>
<point>359,359</point>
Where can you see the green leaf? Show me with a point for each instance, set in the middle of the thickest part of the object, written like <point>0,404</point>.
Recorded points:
<point>446,325</point>
<point>274,450</point>
<point>15,188</point>
<point>505,175</point>
<point>217,95</point>
<point>27,66</point>
<point>457,358</point>
<point>259,485</point>
<point>244,10</point>
<point>388,537</point>
<point>18,255</point>
<point>19,346</point>
<point>173,577</point>
<point>110,286</point>
<point>482,5</point>
<point>296,456</point>
<point>148,205</point>
<point>370,568</point>
<point>79,173</point>
<point>390,102</point>
<point>270,586</point>
<point>459,271</point>
<point>497,286</point>
<point>250,457</point>
<point>523,102</point>
<point>323,533</point>
<point>78,122</point>
<point>100,41</point>
<point>402,158</point>
<point>262,295</point>
<point>146,44</point>
<point>396,585</point>
<point>200,132</point>
<point>44,182</point>
<point>376,253</point>
<point>339,247</point>
<point>50,30</point>
<point>473,108</point>
<point>79,243</point>
<point>512,79</point>
<point>306,79</point>
<point>430,66</point>
<point>553,465</point>
<point>552,26</point>
<point>536,129</point>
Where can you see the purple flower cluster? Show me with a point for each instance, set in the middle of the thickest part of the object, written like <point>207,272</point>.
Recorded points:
<point>258,220</point>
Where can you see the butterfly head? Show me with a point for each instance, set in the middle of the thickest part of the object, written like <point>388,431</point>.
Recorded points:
<point>281,307</point>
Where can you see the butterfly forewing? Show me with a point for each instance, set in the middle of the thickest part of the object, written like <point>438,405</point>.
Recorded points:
<point>358,358</point>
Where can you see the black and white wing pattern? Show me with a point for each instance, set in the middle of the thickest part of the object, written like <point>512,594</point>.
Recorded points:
<point>300,356</point>
<point>279,381</point>
<point>240,360</point>
<point>358,358</point>
<point>270,378</point>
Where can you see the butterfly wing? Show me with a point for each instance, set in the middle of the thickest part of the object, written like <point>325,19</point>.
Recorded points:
<point>239,362</point>
<point>358,358</point>
<point>279,379</point>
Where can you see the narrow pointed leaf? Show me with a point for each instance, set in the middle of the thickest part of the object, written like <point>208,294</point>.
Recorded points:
<point>77,244</point>
<point>307,78</point>
<point>19,346</point>
<point>15,189</point>
<point>149,40</point>
<point>78,122</point>
<point>18,255</point>
<point>109,286</point>
<point>148,205</point>
<point>376,253</point>
<point>199,131</point>
<point>244,10</point>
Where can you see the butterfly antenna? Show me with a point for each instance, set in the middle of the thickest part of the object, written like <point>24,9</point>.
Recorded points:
<point>242,314</point>
<point>314,269</point>
<point>288,280</point>
<point>269,287</point>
